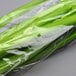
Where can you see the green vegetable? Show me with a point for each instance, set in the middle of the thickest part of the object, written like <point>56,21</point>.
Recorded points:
<point>58,20</point>
<point>19,11</point>
<point>28,56</point>
<point>53,46</point>
<point>33,27</point>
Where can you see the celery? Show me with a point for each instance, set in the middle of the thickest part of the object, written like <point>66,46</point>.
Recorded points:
<point>19,12</point>
<point>24,31</point>
<point>59,16</point>
<point>27,56</point>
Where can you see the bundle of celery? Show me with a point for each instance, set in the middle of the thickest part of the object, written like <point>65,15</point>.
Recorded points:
<point>27,56</point>
<point>49,30</point>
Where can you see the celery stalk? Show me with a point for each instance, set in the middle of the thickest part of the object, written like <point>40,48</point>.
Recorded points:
<point>15,60</point>
<point>19,11</point>
<point>24,31</point>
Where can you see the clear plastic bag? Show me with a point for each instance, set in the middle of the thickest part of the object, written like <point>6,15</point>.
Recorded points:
<point>38,49</point>
<point>36,40</point>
